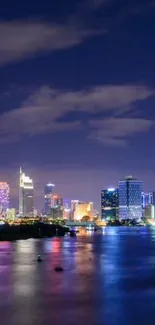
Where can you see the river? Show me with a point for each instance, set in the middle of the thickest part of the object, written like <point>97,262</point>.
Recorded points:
<point>108,278</point>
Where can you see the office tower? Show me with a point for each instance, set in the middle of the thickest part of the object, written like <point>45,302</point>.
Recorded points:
<point>149,211</point>
<point>147,199</point>
<point>67,204</point>
<point>74,204</point>
<point>84,209</point>
<point>109,204</point>
<point>56,201</point>
<point>56,206</point>
<point>35,213</point>
<point>11,214</point>
<point>26,188</point>
<point>153,198</point>
<point>67,212</point>
<point>130,198</point>
<point>4,196</point>
<point>48,198</point>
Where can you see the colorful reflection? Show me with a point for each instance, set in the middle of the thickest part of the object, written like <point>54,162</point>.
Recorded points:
<point>52,245</point>
<point>5,245</point>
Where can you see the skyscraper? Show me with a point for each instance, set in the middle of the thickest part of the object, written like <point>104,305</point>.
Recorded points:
<point>56,201</point>
<point>26,188</point>
<point>109,204</point>
<point>74,204</point>
<point>130,198</point>
<point>153,198</point>
<point>4,195</point>
<point>147,199</point>
<point>56,206</point>
<point>48,198</point>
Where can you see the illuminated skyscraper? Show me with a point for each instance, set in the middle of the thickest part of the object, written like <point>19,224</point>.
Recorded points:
<point>48,198</point>
<point>130,198</point>
<point>11,214</point>
<point>56,206</point>
<point>149,211</point>
<point>26,188</point>
<point>56,201</point>
<point>147,199</point>
<point>109,204</point>
<point>4,195</point>
<point>67,204</point>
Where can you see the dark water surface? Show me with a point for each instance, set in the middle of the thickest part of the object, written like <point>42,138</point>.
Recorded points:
<point>108,278</point>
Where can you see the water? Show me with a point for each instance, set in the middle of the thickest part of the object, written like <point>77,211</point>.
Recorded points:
<point>108,278</point>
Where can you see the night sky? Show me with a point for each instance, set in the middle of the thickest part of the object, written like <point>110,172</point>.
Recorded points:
<point>77,94</point>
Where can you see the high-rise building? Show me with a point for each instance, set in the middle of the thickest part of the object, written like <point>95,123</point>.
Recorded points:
<point>130,198</point>
<point>109,204</point>
<point>84,209</point>
<point>56,206</point>
<point>56,201</point>
<point>74,204</point>
<point>149,211</point>
<point>153,198</point>
<point>11,214</point>
<point>67,213</point>
<point>26,196</point>
<point>48,198</point>
<point>67,204</point>
<point>4,195</point>
<point>147,199</point>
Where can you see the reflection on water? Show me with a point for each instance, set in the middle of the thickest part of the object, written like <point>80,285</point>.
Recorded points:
<point>108,278</point>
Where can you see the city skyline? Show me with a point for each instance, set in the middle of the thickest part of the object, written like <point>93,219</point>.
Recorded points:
<point>14,202</point>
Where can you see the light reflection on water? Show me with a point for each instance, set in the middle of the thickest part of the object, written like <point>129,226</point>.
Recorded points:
<point>108,278</point>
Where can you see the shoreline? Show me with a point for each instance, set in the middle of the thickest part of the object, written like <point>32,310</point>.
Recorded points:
<point>38,230</point>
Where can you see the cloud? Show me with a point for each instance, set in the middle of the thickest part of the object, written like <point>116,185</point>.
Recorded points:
<point>24,38</point>
<point>116,131</point>
<point>44,110</point>
<point>132,10</point>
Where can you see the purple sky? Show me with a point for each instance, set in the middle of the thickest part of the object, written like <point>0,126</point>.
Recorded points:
<point>77,95</point>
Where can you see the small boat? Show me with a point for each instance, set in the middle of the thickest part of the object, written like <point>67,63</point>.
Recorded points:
<point>39,259</point>
<point>59,269</point>
<point>72,233</point>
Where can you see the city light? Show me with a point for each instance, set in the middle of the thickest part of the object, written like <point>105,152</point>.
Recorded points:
<point>4,196</point>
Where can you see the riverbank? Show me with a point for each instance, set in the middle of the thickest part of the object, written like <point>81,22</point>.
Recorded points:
<point>37,230</point>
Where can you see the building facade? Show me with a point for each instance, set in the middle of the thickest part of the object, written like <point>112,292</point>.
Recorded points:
<point>149,211</point>
<point>11,214</point>
<point>26,196</point>
<point>56,206</point>
<point>130,198</point>
<point>48,198</point>
<point>83,209</point>
<point>56,201</point>
<point>153,198</point>
<point>147,199</point>
<point>4,196</point>
<point>109,204</point>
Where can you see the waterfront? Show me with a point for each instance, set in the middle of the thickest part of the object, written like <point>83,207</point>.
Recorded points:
<point>108,278</point>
